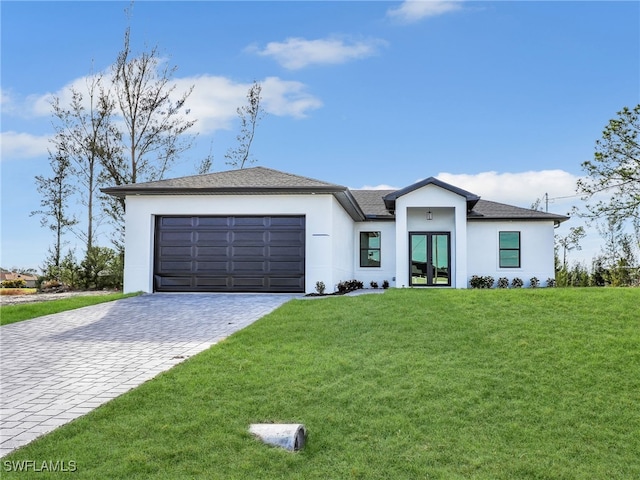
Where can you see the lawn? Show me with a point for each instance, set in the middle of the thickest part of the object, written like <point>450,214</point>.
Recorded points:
<point>17,313</point>
<point>445,384</point>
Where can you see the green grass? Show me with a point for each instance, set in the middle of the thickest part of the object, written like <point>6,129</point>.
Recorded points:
<point>26,311</point>
<point>444,384</point>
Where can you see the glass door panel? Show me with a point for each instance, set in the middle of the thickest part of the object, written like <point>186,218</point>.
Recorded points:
<point>440,259</point>
<point>418,259</point>
<point>430,259</point>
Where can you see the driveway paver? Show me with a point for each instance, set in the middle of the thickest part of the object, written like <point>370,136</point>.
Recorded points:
<point>56,368</point>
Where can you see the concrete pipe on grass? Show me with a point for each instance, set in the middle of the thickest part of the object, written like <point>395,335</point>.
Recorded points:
<point>290,436</point>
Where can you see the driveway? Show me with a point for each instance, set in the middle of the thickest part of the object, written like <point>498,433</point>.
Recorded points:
<point>59,367</point>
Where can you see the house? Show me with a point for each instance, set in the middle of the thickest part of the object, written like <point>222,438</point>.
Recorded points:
<point>263,230</point>
<point>30,280</point>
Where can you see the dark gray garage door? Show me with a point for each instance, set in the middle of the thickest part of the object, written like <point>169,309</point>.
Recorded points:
<point>229,254</point>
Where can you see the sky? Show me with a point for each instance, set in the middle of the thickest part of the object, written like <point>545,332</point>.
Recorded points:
<point>505,99</point>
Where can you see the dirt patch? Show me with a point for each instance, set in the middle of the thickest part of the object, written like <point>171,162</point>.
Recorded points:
<point>45,297</point>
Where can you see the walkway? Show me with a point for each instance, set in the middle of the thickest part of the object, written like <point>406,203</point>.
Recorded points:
<point>59,367</point>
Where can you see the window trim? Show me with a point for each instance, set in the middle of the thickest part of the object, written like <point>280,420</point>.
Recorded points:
<point>519,249</point>
<point>368,248</point>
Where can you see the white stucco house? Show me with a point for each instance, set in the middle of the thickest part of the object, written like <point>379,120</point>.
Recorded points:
<point>262,230</point>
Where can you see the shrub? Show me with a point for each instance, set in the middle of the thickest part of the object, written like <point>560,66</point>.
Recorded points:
<point>17,283</point>
<point>349,286</point>
<point>551,282</point>
<point>374,284</point>
<point>481,282</point>
<point>517,282</point>
<point>385,284</point>
<point>503,282</point>
<point>535,283</point>
<point>320,287</point>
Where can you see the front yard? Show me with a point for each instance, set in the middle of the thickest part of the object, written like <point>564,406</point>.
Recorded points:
<point>484,384</point>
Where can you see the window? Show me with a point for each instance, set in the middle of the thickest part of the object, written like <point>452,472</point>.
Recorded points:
<point>509,249</point>
<point>369,249</point>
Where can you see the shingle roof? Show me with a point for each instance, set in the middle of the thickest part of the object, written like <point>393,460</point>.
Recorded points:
<point>372,202</point>
<point>390,200</point>
<point>255,179</point>
<point>246,181</point>
<point>373,205</point>
<point>360,204</point>
<point>487,210</point>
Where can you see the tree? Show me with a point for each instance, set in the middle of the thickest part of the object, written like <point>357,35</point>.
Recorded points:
<point>55,192</point>
<point>615,170</point>
<point>250,115</point>
<point>154,125</point>
<point>87,136</point>
<point>570,242</point>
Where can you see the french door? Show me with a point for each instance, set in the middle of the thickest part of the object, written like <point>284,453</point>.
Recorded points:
<point>430,254</point>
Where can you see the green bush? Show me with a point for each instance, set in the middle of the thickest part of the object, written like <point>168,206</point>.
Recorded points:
<point>17,283</point>
<point>482,282</point>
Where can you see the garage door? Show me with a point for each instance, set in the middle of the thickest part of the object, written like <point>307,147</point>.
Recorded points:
<point>229,254</point>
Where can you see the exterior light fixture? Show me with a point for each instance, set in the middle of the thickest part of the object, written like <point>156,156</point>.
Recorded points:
<point>429,215</point>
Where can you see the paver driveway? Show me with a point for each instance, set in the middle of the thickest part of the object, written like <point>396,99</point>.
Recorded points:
<point>59,367</point>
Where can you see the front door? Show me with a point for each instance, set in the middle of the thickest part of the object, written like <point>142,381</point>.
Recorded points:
<point>430,259</point>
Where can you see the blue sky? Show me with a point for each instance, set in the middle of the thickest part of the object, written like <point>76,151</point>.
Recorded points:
<point>505,99</point>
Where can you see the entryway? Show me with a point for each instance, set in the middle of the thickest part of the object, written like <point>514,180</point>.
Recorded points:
<point>430,259</point>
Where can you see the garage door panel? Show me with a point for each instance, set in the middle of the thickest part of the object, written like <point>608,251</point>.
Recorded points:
<point>162,282</point>
<point>248,237</point>
<point>211,251</point>
<point>249,251</point>
<point>172,222</point>
<point>175,251</point>
<point>230,254</point>
<point>212,237</point>
<point>205,267</point>
<point>176,237</point>
<point>287,222</point>
<point>209,282</point>
<point>180,266</point>
<point>285,237</point>
<point>286,267</point>
<point>259,222</point>
<point>213,221</point>
<point>285,252</point>
<point>252,282</point>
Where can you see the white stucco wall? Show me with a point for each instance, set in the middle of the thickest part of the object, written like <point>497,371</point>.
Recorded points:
<point>536,250</point>
<point>387,269</point>
<point>449,215</point>
<point>324,217</point>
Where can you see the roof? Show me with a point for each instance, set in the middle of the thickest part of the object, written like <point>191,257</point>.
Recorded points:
<point>487,210</point>
<point>372,203</point>
<point>390,200</point>
<point>360,204</point>
<point>246,181</point>
<point>256,179</point>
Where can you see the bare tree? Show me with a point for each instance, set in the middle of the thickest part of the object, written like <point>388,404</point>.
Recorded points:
<point>154,125</point>
<point>87,137</point>
<point>570,242</point>
<point>55,192</point>
<point>250,115</point>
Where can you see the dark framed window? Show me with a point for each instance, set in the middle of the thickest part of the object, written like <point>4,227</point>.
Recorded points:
<point>509,249</point>
<point>369,249</point>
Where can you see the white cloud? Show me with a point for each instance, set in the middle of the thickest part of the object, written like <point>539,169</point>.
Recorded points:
<point>15,145</point>
<point>213,102</point>
<point>411,11</point>
<point>287,98</point>
<point>521,189</point>
<point>297,53</point>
